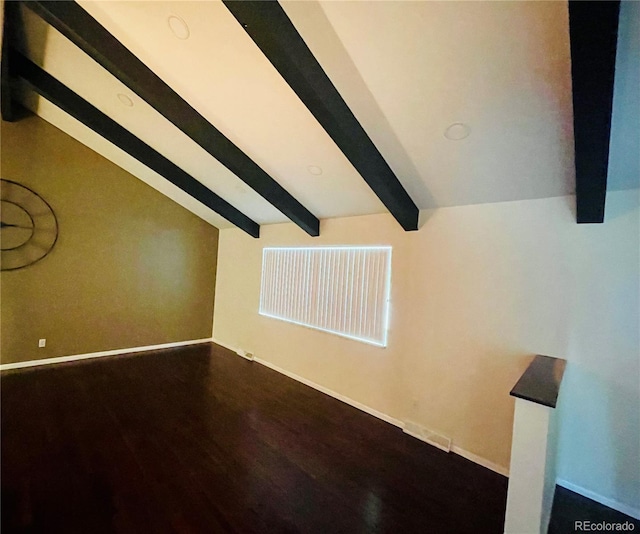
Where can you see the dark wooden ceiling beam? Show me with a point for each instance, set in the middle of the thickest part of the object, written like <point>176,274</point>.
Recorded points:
<point>593,30</point>
<point>270,28</point>
<point>83,30</point>
<point>63,97</point>
<point>7,103</point>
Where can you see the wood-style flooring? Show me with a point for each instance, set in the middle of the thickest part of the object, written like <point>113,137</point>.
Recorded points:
<point>570,509</point>
<point>198,440</point>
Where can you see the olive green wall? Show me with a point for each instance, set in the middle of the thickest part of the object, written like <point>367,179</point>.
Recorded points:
<point>130,268</point>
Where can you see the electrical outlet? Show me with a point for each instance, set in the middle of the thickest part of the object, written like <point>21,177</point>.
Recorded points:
<point>42,343</point>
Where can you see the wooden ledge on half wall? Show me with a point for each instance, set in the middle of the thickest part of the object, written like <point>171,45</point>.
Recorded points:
<point>540,383</point>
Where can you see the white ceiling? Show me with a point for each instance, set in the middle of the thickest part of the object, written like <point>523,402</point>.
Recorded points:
<point>406,69</point>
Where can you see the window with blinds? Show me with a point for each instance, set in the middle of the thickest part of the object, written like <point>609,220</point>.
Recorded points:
<point>342,290</point>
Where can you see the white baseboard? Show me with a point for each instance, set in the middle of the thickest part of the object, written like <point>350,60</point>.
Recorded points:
<point>480,461</point>
<point>611,503</point>
<point>331,393</point>
<point>392,420</point>
<point>100,354</point>
<point>428,441</point>
<point>225,345</point>
<point>240,352</point>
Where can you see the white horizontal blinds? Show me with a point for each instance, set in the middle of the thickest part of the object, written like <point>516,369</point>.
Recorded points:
<point>344,290</point>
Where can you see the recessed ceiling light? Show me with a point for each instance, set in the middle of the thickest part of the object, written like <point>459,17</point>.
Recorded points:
<point>315,170</point>
<point>179,27</point>
<point>125,100</point>
<point>457,131</point>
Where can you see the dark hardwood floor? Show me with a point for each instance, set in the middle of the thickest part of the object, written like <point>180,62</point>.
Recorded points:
<point>198,440</point>
<point>570,508</point>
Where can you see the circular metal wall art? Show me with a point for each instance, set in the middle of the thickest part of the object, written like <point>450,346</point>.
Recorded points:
<point>29,228</point>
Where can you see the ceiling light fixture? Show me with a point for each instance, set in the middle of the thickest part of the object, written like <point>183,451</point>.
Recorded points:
<point>179,27</point>
<point>125,100</point>
<point>457,131</point>
<point>315,170</point>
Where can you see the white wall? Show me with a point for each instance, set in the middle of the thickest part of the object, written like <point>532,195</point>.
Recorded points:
<point>599,448</point>
<point>599,441</point>
<point>624,161</point>
<point>475,292</point>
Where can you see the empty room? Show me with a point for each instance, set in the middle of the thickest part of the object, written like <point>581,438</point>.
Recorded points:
<point>320,267</point>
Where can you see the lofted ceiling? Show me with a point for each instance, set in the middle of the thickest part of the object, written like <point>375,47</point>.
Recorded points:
<point>406,70</point>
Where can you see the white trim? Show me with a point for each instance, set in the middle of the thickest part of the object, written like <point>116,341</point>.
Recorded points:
<point>225,345</point>
<point>331,393</point>
<point>240,352</point>
<point>611,503</point>
<point>384,417</point>
<point>100,354</point>
<point>392,420</point>
<point>425,440</point>
<point>480,460</point>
